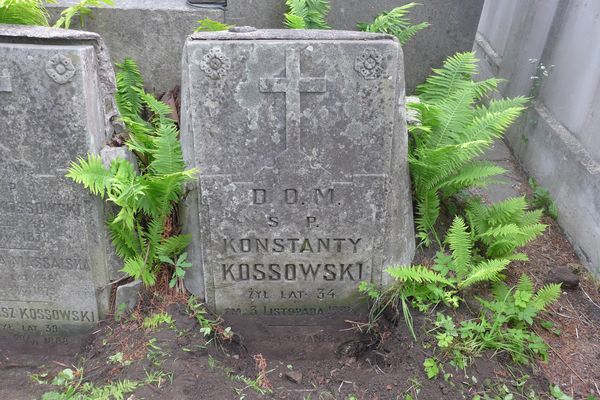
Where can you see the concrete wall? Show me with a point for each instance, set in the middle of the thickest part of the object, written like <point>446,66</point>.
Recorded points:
<point>153,31</point>
<point>558,140</point>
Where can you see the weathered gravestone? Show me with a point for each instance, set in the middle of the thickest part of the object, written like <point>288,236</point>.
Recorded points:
<point>56,89</point>
<point>303,189</point>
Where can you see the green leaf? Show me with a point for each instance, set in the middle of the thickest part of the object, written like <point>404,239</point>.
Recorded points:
<point>459,240</point>
<point>396,23</point>
<point>307,14</point>
<point>209,25</point>
<point>431,367</point>
<point>90,173</point>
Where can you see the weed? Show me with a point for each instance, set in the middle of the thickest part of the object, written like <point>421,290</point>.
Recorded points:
<point>71,387</point>
<point>158,378</point>
<point>503,326</point>
<point>153,321</point>
<point>542,199</point>
<point>208,327</point>
<point>118,359</point>
<point>179,265</point>
<point>431,367</point>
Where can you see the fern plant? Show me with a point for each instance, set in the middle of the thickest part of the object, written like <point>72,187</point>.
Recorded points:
<point>24,12</point>
<point>79,10</point>
<point>307,14</point>
<point>145,199</point>
<point>453,131</point>
<point>505,226</point>
<point>395,22</point>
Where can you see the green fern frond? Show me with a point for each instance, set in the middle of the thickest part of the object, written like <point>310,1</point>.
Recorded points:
<point>455,75</point>
<point>456,114</point>
<point>130,85</point>
<point>525,284</point>
<point>428,207</point>
<point>395,22</point>
<point>174,245</point>
<point>485,271</point>
<point>124,240</point>
<point>209,25</point>
<point>416,274</point>
<point>501,105</point>
<point>461,245</point>
<point>294,21</point>
<point>307,14</point>
<point>23,12</point>
<point>80,10</point>
<point>167,154</point>
<point>90,173</point>
<point>410,32</point>
<point>161,111</point>
<point>138,269</point>
<point>491,125</point>
<point>546,296</point>
<point>471,175</point>
<point>153,237</point>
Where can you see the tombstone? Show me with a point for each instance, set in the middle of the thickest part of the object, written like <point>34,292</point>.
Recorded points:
<point>303,190</point>
<point>56,103</point>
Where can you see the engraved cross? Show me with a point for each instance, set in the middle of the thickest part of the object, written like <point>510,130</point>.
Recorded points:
<point>293,85</point>
<point>5,85</point>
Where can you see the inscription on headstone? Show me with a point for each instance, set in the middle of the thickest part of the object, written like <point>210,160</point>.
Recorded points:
<point>303,189</point>
<point>53,249</point>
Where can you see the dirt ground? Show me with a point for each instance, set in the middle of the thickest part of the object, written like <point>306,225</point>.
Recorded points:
<point>308,363</point>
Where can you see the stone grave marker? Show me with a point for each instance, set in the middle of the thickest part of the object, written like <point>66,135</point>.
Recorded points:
<point>56,103</point>
<point>303,189</point>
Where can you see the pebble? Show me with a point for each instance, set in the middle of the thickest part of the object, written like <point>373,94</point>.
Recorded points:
<point>294,376</point>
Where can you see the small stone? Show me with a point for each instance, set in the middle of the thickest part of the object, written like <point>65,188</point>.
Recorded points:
<point>294,376</point>
<point>565,276</point>
<point>128,296</point>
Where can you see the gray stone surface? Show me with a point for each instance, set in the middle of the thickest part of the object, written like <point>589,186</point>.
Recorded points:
<point>152,32</point>
<point>557,139</point>
<point>303,189</point>
<point>127,296</point>
<point>453,26</point>
<point>53,252</point>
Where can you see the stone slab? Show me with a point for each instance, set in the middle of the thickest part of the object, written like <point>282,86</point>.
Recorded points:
<point>303,190</point>
<point>151,32</point>
<point>54,248</point>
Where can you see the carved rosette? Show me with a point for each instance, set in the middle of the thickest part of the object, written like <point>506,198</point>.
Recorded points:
<point>60,69</point>
<point>215,64</point>
<point>370,64</point>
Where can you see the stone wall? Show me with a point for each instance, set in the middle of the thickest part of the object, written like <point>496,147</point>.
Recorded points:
<point>153,32</point>
<point>557,140</point>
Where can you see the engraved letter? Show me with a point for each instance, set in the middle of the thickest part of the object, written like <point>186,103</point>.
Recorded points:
<point>259,195</point>
<point>291,196</point>
<point>319,195</point>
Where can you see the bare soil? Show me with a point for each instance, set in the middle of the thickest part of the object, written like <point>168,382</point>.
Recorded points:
<point>335,363</point>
